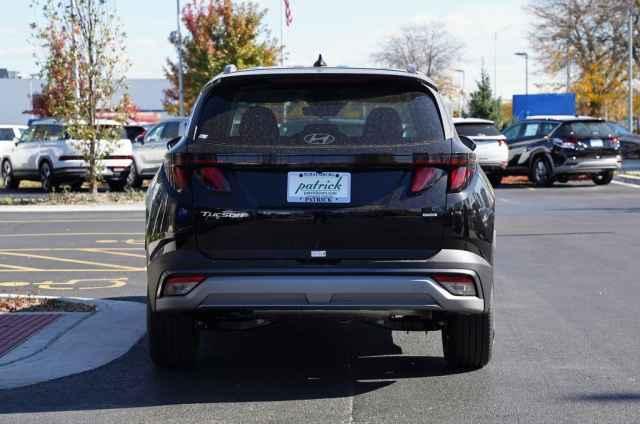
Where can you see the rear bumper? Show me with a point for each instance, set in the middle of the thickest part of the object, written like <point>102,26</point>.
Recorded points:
<point>384,291</point>
<point>112,170</point>
<point>326,293</point>
<point>588,166</point>
<point>493,167</point>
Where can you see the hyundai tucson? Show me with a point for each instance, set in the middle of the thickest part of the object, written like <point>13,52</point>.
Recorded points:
<point>337,192</point>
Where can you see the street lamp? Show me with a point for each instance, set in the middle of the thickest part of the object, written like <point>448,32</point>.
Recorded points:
<point>526,70</point>
<point>495,58</point>
<point>176,39</point>
<point>461,71</point>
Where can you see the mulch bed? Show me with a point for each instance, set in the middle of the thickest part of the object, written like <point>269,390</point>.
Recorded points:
<point>35,304</point>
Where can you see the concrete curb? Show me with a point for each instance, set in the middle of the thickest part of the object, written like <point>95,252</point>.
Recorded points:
<point>105,207</point>
<point>76,344</point>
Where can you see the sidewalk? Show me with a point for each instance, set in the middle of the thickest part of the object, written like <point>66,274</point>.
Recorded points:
<point>62,344</point>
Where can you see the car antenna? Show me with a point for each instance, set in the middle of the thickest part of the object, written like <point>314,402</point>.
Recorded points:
<point>320,62</point>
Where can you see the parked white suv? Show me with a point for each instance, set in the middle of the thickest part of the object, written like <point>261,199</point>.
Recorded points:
<point>491,145</point>
<point>45,153</point>
<point>148,153</point>
<point>9,135</point>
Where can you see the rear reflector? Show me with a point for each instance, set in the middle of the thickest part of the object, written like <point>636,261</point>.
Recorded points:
<point>457,284</point>
<point>179,285</point>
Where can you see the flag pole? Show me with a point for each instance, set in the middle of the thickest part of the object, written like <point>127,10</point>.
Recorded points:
<point>281,33</point>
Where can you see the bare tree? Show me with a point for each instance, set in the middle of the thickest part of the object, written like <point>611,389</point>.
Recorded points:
<point>428,46</point>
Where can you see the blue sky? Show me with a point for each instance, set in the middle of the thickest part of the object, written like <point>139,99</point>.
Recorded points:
<point>346,32</point>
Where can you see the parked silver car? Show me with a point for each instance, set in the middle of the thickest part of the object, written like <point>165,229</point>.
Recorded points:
<point>148,153</point>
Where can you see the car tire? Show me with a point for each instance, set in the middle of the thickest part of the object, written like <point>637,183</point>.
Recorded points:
<point>173,339</point>
<point>602,178</point>
<point>9,181</point>
<point>77,186</point>
<point>467,341</point>
<point>46,176</point>
<point>116,185</point>
<point>541,173</point>
<point>133,178</point>
<point>495,179</point>
<point>562,179</point>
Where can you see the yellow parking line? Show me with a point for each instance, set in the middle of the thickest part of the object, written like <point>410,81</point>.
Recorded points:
<point>131,269</point>
<point>69,234</point>
<point>75,261</point>
<point>108,252</point>
<point>47,221</point>
<point>64,249</point>
<point>19,268</point>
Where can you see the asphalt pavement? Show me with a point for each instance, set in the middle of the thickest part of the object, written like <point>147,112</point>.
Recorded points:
<point>566,349</point>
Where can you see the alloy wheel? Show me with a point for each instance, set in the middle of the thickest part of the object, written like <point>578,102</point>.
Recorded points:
<point>45,176</point>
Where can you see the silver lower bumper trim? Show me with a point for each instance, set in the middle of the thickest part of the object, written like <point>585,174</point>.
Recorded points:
<point>322,292</point>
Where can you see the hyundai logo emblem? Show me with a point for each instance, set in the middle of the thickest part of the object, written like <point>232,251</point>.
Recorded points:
<point>319,139</point>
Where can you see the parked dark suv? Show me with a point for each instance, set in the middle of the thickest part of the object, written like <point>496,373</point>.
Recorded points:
<point>333,191</point>
<point>550,149</point>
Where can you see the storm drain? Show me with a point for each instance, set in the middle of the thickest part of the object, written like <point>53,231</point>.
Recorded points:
<point>16,328</point>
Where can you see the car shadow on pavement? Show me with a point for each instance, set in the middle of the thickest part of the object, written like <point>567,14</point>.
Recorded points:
<point>523,186</point>
<point>293,361</point>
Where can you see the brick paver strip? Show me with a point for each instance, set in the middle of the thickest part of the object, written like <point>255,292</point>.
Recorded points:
<point>16,328</point>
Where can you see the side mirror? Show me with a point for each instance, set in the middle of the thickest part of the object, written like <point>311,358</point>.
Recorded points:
<point>173,142</point>
<point>468,142</point>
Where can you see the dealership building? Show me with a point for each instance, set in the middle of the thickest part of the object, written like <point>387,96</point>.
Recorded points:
<point>147,95</point>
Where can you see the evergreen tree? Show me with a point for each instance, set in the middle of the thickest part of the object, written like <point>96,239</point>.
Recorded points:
<point>482,104</point>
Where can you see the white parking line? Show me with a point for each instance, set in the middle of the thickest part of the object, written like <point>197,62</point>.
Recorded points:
<point>625,184</point>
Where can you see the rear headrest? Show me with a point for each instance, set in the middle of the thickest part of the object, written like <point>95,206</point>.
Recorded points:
<point>383,123</point>
<point>259,123</point>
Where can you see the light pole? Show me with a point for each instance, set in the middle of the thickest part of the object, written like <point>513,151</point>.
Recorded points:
<point>461,71</point>
<point>495,58</point>
<point>630,30</point>
<point>526,71</point>
<point>176,39</point>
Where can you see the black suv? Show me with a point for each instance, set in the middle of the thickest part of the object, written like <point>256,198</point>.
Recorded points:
<point>550,149</point>
<point>337,192</point>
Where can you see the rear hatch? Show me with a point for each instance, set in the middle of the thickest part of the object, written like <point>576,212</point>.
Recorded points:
<point>328,168</point>
<point>588,139</point>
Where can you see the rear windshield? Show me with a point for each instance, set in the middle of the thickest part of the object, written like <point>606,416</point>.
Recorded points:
<point>320,114</point>
<point>477,130</point>
<point>586,129</point>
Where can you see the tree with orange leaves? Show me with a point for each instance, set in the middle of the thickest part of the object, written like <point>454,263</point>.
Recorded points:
<point>220,32</point>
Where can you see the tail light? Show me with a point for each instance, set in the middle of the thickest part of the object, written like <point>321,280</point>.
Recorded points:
<point>615,142</point>
<point>422,177</point>
<point>457,284</point>
<point>181,169</point>
<point>459,178</point>
<point>460,167</point>
<point>569,142</point>
<point>180,285</point>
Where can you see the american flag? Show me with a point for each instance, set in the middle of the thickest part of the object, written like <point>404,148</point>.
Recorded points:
<point>287,12</point>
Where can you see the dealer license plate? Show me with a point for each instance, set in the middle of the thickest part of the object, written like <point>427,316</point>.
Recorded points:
<point>319,187</point>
